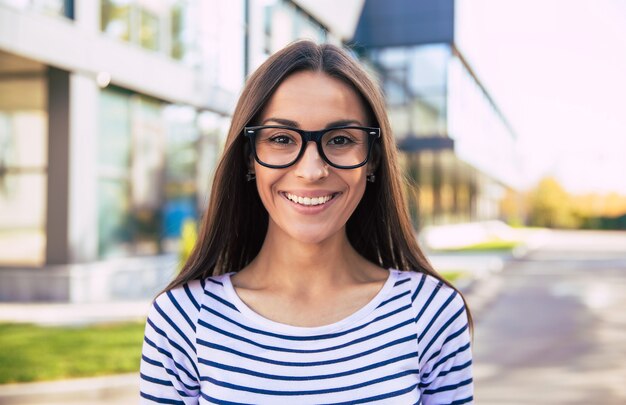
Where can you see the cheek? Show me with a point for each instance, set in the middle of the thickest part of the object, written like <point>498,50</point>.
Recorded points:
<point>357,184</point>
<point>265,180</point>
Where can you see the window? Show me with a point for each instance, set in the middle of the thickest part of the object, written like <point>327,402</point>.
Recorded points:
<point>23,166</point>
<point>164,26</point>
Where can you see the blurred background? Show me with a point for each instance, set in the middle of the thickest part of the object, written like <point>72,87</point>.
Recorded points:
<point>509,116</point>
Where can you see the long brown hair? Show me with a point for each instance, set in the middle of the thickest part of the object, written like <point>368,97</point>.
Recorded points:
<point>235,223</point>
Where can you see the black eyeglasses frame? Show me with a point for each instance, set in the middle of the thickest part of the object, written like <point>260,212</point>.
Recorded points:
<point>313,136</point>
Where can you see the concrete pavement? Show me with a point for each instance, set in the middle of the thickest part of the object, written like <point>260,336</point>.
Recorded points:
<point>555,333</point>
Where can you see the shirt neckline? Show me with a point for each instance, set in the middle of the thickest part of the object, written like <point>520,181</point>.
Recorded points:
<point>307,330</point>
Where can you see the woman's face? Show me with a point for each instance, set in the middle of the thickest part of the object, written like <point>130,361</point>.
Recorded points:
<point>311,201</point>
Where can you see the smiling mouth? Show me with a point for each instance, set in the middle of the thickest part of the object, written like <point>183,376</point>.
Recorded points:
<point>310,201</point>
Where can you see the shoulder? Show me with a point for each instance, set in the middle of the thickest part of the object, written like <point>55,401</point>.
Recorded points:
<point>431,296</point>
<point>185,298</point>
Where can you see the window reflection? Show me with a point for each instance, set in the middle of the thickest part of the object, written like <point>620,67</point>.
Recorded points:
<point>414,81</point>
<point>164,26</point>
<point>156,163</point>
<point>180,172</point>
<point>149,31</point>
<point>114,151</point>
<point>115,18</point>
<point>23,163</point>
<point>49,7</point>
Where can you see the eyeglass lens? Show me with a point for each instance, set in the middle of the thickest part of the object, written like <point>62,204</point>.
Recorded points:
<point>342,147</point>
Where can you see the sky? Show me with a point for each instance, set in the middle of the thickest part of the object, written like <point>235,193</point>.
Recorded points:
<point>557,69</point>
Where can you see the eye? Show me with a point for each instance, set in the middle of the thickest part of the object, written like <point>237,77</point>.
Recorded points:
<point>340,140</point>
<point>281,139</point>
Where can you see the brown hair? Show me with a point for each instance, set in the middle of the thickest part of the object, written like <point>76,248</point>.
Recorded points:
<point>235,223</point>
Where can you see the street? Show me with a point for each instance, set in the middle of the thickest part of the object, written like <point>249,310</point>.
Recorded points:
<point>556,332</point>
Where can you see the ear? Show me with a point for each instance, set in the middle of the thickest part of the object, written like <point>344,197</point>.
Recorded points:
<point>374,161</point>
<point>248,157</point>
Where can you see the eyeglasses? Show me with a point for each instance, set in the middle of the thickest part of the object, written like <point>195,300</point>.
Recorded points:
<point>345,147</point>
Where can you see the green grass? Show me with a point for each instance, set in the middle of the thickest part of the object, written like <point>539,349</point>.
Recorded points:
<point>453,276</point>
<point>36,353</point>
<point>489,246</point>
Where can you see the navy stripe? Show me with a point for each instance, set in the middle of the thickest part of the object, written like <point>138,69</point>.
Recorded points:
<point>155,380</point>
<point>171,342</point>
<point>440,331</point>
<point>448,339</point>
<point>215,281</point>
<point>191,297</point>
<point>447,357</point>
<point>298,364</point>
<point>288,350</point>
<point>181,310</point>
<point>161,400</point>
<point>168,354</point>
<point>309,392</point>
<point>162,382</point>
<point>150,361</point>
<point>455,334</point>
<point>427,303</point>
<point>446,372</point>
<point>304,378</point>
<point>310,337</point>
<point>419,288</point>
<point>220,401</point>
<point>379,397</point>
<point>400,282</point>
<point>168,371</point>
<point>222,300</point>
<point>439,311</point>
<point>462,401</point>
<point>394,298</point>
<point>448,387</point>
<point>174,326</point>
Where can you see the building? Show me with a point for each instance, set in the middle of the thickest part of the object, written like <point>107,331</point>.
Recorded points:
<point>112,115</point>
<point>458,149</point>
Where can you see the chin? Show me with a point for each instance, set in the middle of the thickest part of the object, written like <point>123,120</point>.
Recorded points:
<point>314,236</point>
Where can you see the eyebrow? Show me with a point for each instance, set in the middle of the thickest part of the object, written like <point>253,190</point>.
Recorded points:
<point>290,123</point>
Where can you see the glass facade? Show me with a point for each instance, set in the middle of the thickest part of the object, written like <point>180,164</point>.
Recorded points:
<point>23,168</point>
<point>415,84</point>
<point>155,163</point>
<point>164,26</point>
<point>482,136</point>
<point>276,23</point>
<point>432,95</point>
<point>49,7</point>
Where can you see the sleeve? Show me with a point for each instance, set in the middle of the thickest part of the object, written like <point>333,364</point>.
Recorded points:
<point>169,371</point>
<point>445,350</point>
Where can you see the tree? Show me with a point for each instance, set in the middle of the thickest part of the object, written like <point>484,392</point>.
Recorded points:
<point>551,206</point>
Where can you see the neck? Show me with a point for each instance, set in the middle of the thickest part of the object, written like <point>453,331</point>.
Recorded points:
<point>304,266</point>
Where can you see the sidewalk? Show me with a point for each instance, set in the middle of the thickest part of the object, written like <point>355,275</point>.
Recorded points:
<point>110,390</point>
<point>57,314</point>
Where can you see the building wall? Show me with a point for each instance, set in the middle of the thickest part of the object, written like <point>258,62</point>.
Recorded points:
<point>110,133</point>
<point>459,151</point>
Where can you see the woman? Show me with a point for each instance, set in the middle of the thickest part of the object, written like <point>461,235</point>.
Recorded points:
<point>307,284</point>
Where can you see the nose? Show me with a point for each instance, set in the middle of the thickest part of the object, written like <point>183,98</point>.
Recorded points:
<point>311,166</point>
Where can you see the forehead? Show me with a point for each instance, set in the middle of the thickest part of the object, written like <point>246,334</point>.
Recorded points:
<point>315,98</point>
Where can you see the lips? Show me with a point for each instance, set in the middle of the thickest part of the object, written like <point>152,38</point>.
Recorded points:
<point>309,201</point>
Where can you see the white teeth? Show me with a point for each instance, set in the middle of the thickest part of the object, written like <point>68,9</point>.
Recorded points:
<point>308,200</point>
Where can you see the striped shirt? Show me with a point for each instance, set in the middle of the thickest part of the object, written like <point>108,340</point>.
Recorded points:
<point>409,345</point>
